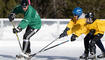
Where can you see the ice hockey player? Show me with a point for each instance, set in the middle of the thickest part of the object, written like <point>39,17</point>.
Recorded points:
<point>96,29</point>
<point>75,25</point>
<point>31,21</point>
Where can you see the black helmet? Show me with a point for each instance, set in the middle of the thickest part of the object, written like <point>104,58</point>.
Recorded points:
<point>89,15</point>
<point>24,3</point>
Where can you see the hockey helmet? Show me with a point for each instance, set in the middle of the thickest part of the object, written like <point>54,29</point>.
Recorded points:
<point>90,17</point>
<point>77,11</point>
<point>24,3</point>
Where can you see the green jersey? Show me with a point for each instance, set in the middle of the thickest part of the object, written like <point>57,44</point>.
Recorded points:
<point>31,17</point>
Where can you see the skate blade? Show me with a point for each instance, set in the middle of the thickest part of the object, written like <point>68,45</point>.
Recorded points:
<point>20,57</point>
<point>24,55</point>
<point>93,58</point>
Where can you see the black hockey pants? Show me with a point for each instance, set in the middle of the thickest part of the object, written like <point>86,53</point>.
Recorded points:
<point>87,42</point>
<point>98,42</point>
<point>91,45</point>
<point>26,39</point>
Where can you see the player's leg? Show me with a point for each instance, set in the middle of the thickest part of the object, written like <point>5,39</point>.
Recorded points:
<point>100,45</point>
<point>92,49</point>
<point>86,46</point>
<point>26,39</point>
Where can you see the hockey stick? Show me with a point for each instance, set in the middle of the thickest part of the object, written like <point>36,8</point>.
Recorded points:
<point>55,45</point>
<point>45,47</point>
<point>49,48</point>
<point>17,36</point>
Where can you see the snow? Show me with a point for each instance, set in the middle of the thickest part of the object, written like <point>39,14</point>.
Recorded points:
<point>64,52</point>
<point>9,46</point>
<point>67,51</point>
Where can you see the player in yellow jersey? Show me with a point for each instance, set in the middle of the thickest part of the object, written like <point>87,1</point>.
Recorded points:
<point>75,25</point>
<point>95,31</point>
<point>93,28</point>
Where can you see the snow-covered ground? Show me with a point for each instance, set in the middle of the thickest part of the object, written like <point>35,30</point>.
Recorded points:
<point>67,51</point>
<point>9,46</point>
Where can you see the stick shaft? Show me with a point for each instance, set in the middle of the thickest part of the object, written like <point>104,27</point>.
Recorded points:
<point>17,36</point>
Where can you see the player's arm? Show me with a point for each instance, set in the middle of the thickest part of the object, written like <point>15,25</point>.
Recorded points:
<point>16,10</point>
<point>65,32</point>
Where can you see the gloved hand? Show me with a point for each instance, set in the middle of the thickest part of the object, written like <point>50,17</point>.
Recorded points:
<point>73,37</point>
<point>11,17</point>
<point>64,32</point>
<point>97,37</point>
<point>16,30</point>
<point>62,35</point>
<point>92,31</point>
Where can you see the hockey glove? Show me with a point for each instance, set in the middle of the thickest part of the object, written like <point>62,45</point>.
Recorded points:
<point>11,17</point>
<point>64,32</point>
<point>97,37</point>
<point>73,37</point>
<point>92,31</point>
<point>62,35</point>
<point>16,30</point>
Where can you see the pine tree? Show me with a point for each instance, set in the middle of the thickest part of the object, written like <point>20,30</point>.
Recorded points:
<point>2,6</point>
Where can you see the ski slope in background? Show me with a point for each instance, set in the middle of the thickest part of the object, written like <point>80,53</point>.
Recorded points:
<point>69,51</point>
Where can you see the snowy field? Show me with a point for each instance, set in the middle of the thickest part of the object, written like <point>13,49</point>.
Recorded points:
<point>9,46</point>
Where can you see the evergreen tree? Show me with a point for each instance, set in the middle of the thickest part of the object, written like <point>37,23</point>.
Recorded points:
<point>10,5</point>
<point>56,8</point>
<point>2,6</point>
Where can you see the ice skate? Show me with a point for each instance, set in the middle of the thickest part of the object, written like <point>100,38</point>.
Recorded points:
<point>84,56</point>
<point>19,57</point>
<point>101,55</point>
<point>23,56</point>
<point>92,56</point>
<point>27,57</point>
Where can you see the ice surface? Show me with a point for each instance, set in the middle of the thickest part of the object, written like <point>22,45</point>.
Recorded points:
<point>9,46</point>
<point>67,51</point>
